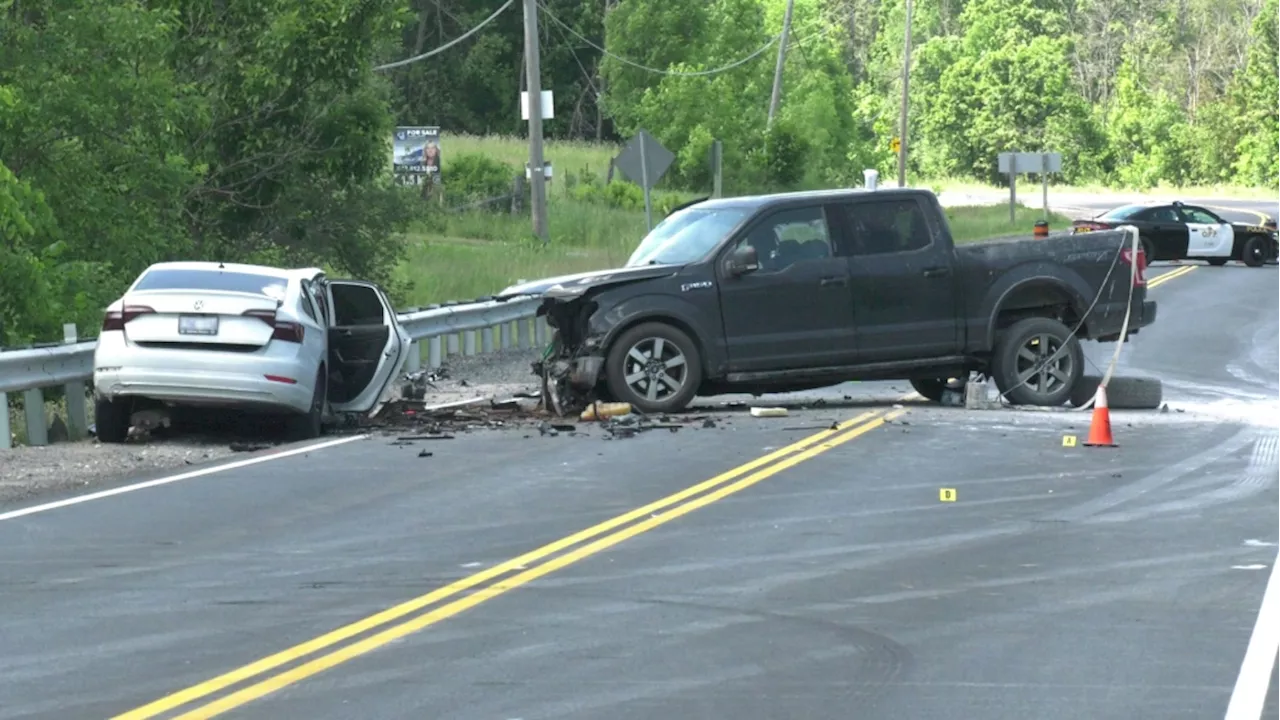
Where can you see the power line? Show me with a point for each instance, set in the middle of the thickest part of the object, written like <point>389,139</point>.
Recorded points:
<point>449,44</point>
<point>658,71</point>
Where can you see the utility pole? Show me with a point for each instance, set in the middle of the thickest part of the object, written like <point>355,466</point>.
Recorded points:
<point>776,97</point>
<point>902,112</point>
<point>533,83</point>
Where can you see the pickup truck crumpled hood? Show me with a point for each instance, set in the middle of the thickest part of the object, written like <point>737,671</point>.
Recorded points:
<point>586,280</point>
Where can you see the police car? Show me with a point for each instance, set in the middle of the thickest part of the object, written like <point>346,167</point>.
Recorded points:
<point>1177,231</point>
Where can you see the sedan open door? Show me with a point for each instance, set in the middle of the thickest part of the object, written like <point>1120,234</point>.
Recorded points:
<point>367,346</point>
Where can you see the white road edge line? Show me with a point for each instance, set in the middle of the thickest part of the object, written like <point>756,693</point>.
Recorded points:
<point>176,478</point>
<point>1250,693</point>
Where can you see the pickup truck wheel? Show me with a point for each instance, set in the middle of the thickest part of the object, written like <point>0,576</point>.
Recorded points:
<point>655,367</point>
<point>1036,364</point>
<point>1254,252</point>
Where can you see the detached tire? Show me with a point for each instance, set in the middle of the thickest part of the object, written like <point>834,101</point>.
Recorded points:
<point>654,366</point>
<point>111,420</point>
<point>1024,347</point>
<point>1123,393</point>
<point>1254,253</point>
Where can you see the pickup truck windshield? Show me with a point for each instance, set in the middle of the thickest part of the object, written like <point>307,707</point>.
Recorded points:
<point>686,236</point>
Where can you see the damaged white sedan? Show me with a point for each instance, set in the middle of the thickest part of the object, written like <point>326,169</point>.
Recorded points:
<point>245,337</point>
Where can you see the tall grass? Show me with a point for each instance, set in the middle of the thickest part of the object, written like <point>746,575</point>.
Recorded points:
<point>468,255</point>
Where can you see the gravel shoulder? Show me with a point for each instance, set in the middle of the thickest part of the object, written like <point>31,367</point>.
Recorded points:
<point>27,473</point>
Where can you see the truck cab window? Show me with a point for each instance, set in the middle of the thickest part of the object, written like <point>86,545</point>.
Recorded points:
<point>886,226</point>
<point>787,237</point>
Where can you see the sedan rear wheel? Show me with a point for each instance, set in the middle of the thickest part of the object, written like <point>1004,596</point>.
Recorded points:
<point>310,425</point>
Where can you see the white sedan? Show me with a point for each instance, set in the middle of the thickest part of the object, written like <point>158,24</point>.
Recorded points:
<point>205,334</point>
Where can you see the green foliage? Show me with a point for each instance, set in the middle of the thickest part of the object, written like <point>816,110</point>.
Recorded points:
<point>472,176</point>
<point>138,132</point>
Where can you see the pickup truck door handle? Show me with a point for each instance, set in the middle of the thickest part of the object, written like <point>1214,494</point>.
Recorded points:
<point>935,272</point>
<point>836,280</point>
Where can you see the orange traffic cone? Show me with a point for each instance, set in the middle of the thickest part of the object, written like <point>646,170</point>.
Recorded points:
<point>1100,428</point>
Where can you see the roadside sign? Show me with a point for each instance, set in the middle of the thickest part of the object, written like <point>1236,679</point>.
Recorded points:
<point>644,160</point>
<point>895,144</point>
<point>1024,162</point>
<point>416,151</point>
<point>548,105</point>
<point>1014,164</point>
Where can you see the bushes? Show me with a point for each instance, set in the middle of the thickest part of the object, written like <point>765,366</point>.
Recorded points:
<point>587,187</point>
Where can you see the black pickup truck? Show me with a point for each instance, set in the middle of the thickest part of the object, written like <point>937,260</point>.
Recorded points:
<point>797,291</point>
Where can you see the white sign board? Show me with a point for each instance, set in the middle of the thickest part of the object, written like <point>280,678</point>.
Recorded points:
<point>1024,162</point>
<point>548,105</point>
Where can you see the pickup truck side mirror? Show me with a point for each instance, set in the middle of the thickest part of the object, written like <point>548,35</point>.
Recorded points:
<point>743,260</point>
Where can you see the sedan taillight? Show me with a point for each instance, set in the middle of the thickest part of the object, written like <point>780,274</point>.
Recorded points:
<point>282,329</point>
<point>117,319</point>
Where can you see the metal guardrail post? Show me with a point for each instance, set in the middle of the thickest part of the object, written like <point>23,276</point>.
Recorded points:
<point>453,343</point>
<point>435,346</point>
<point>540,332</point>
<point>469,343</point>
<point>486,340</point>
<point>526,332</point>
<point>505,335</point>
<point>414,362</point>
<point>37,425</point>
<point>77,414</point>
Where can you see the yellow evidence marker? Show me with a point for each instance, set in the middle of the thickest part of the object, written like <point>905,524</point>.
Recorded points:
<point>947,494</point>
<point>1068,441</point>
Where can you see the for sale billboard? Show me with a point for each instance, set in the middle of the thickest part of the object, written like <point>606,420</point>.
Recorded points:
<point>416,151</point>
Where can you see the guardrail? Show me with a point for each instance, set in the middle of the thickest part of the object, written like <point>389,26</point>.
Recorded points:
<point>484,325</point>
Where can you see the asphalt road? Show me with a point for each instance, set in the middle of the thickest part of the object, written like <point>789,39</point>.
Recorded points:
<point>829,582</point>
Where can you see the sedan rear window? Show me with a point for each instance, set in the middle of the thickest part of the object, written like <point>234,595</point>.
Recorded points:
<point>223,280</point>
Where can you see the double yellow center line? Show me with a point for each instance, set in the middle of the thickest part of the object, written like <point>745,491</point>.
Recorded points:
<point>404,619</point>
<point>1166,277</point>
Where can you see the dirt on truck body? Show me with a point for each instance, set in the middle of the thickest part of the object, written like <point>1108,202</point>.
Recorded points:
<point>797,291</point>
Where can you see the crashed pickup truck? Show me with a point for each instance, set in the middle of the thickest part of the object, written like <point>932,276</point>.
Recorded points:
<point>797,291</point>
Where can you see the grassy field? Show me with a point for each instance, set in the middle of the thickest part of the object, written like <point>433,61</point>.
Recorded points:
<point>470,255</point>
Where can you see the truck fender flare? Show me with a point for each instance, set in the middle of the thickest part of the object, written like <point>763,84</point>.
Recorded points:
<point>999,295</point>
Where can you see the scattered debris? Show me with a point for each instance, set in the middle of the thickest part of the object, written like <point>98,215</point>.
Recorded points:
<point>249,447</point>
<point>411,438</point>
<point>599,411</point>
<point>708,424</point>
<point>769,412</point>
<point>425,453</point>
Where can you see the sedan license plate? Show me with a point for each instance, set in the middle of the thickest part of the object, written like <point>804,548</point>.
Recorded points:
<point>197,324</point>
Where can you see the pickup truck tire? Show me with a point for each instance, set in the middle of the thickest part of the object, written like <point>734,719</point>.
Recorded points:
<point>655,367</point>
<point>1123,393</point>
<point>1024,346</point>
<point>1254,253</point>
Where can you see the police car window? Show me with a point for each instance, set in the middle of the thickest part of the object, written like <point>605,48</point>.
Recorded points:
<point>1162,214</point>
<point>887,226</point>
<point>1196,215</point>
<point>787,237</point>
